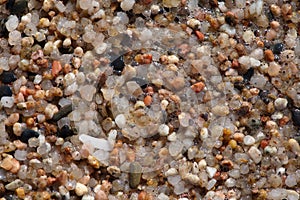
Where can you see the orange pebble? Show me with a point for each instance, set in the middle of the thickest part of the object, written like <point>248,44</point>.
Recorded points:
<point>269,55</point>
<point>56,68</point>
<point>200,35</point>
<point>147,100</point>
<point>198,87</point>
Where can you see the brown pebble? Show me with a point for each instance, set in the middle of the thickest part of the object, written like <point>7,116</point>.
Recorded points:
<point>144,196</point>
<point>7,163</point>
<point>269,56</point>
<point>198,87</point>
<point>264,143</point>
<point>56,68</point>
<point>16,166</point>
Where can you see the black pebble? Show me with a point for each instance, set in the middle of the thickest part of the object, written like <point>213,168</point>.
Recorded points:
<point>277,48</point>
<point>296,116</point>
<point>27,134</point>
<point>118,64</point>
<point>17,7</point>
<point>5,91</point>
<point>65,131</point>
<point>263,94</point>
<point>7,77</point>
<point>247,76</point>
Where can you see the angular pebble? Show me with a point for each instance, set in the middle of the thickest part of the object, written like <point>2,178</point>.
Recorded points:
<point>135,174</point>
<point>255,154</point>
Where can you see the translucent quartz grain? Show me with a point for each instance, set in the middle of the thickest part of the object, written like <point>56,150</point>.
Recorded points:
<point>14,37</point>
<point>20,155</point>
<point>12,23</point>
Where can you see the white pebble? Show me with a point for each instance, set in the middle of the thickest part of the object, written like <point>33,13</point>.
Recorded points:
<point>163,130</point>
<point>249,140</point>
<point>80,189</point>
<point>172,137</point>
<point>127,5</point>
<point>7,102</point>
<point>255,154</point>
<point>280,103</point>
<point>211,171</point>
<point>120,120</point>
<point>12,23</point>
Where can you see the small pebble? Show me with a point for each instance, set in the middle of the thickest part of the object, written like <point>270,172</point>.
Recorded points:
<point>255,154</point>
<point>135,173</point>
<point>249,140</point>
<point>5,91</point>
<point>27,134</point>
<point>7,77</point>
<point>81,189</point>
<point>278,48</point>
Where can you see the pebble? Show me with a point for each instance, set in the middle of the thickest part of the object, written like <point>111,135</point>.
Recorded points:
<point>127,5</point>
<point>87,92</point>
<point>294,145</point>
<point>135,173</point>
<point>14,185</point>
<point>269,55</point>
<point>7,102</point>
<point>277,48</point>
<point>255,154</point>
<point>211,171</point>
<point>27,134</point>
<point>280,103</point>
<point>296,116</point>
<point>5,91</point>
<point>7,77</point>
<point>249,140</point>
<point>163,130</point>
<point>81,189</point>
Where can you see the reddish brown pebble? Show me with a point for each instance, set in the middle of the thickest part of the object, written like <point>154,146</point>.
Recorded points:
<point>199,35</point>
<point>269,55</point>
<point>264,143</point>
<point>198,87</point>
<point>235,63</point>
<point>56,68</point>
